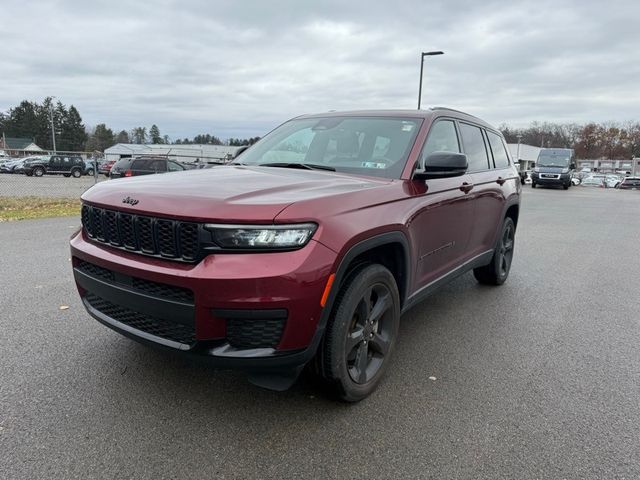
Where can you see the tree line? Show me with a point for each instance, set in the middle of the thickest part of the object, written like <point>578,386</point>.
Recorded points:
<point>608,140</point>
<point>34,121</point>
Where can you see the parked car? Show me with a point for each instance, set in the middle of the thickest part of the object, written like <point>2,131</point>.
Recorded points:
<point>91,166</point>
<point>15,165</point>
<point>593,182</point>
<point>66,165</point>
<point>132,167</point>
<point>290,256</point>
<point>575,180</point>
<point>105,167</point>
<point>609,181</point>
<point>630,183</point>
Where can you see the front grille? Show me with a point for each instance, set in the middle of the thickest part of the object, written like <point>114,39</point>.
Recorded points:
<point>159,237</point>
<point>155,289</point>
<point>176,332</point>
<point>254,333</point>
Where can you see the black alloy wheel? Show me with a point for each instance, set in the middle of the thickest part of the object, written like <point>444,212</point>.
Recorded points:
<point>369,333</point>
<point>361,332</point>
<point>497,271</point>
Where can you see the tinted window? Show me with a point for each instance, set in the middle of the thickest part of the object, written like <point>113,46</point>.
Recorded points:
<point>158,165</point>
<point>175,167</point>
<point>442,138</point>
<point>500,158</point>
<point>55,162</point>
<point>474,147</point>
<point>140,164</point>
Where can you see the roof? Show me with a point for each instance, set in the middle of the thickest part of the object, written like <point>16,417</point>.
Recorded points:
<point>406,113</point>
<point>19,143</point>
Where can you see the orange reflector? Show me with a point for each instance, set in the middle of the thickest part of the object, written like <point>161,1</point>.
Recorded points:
<point>327,289</point>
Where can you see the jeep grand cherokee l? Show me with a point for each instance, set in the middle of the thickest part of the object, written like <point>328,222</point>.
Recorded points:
<point>307,248</point>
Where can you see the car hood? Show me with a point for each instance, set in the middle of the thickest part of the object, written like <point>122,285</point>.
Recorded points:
<point>236,193</point>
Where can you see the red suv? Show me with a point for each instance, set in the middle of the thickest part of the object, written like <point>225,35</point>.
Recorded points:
<point>307,248</point>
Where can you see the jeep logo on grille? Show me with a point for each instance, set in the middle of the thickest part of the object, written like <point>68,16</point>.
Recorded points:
<point>130,201</point>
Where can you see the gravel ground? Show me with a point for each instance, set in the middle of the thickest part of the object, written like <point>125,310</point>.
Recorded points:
<point>539,378</point>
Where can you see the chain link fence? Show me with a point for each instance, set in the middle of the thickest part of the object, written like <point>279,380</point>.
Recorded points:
<point>41,184</point>
<point>69,174</point>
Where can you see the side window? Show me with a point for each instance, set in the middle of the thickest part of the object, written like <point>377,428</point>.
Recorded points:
<point>500,157</point>
<point>442,138</point>
<point>55,162</point>
<point>474,147</point>
<point>175,167</point>
<point>159,166</point>
<point>141,164</point>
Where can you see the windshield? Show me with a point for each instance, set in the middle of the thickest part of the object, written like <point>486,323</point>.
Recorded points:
<point>360,145</point>
<point>554,160</point>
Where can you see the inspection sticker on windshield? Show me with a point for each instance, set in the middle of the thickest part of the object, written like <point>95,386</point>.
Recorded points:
<point>407,127</point>
<point>374,165</point>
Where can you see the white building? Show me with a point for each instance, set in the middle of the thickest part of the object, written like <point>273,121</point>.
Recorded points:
<point>180,153</point>
<point>527,155</point>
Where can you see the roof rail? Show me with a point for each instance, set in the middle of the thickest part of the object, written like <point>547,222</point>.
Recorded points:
<point>463,113</point>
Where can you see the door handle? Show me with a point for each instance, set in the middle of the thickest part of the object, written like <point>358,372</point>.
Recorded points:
<point>500,181</point>
<point>466,187</point>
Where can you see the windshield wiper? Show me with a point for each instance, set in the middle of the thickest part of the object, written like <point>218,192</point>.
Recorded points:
<point>305,166</point>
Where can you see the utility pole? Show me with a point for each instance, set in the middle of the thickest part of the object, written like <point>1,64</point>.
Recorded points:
<point>53,131</point>
<point>424,54</point>
<point>518,152</point>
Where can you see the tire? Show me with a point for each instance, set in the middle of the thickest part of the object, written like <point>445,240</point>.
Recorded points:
<point>361,332</point>
<point>566,187</point>
<point>38,171</point>
<point>533,185</point>
<point>496,272</point>
<point>76,173</point>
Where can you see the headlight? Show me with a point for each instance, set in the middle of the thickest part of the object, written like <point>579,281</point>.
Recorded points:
<point>261,236</point>
<point>536,169</point>
<point>565,170</point>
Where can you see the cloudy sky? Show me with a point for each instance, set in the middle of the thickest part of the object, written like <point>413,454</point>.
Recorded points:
<point>239,68</point>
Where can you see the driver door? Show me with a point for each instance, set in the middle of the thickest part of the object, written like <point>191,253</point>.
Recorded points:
<point>443,220</point>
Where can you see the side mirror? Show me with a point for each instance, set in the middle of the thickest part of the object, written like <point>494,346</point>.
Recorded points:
<point>443,165</point>
<point>572,166</point>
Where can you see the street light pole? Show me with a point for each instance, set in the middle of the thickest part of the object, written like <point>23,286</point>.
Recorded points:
<point>53,131</point>
<point>422,55</point>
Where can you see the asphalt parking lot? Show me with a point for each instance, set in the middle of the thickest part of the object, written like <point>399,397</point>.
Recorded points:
<point>54,186</point>
<point>539,378</point>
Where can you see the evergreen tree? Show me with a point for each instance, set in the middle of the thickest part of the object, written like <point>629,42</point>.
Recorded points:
<point>154,134</point>
<point>123,137</point>
<point>101,138</point>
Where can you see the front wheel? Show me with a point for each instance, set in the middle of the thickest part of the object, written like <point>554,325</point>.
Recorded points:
<point>533,184</point>
<point>496,272</point>
<point>566,187</point>
<point>361,333</point>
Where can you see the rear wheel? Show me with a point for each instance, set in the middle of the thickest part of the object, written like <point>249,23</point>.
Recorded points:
<point>38,171</point>
<point>361,332</point>
<point>496,272</point>
<point>76,173</point>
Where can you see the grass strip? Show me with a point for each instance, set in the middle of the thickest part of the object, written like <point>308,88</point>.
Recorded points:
<point>25,208</point>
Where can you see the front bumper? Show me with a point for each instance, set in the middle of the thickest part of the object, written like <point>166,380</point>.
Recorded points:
<point>250,311</point>
<point>551,178</point>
